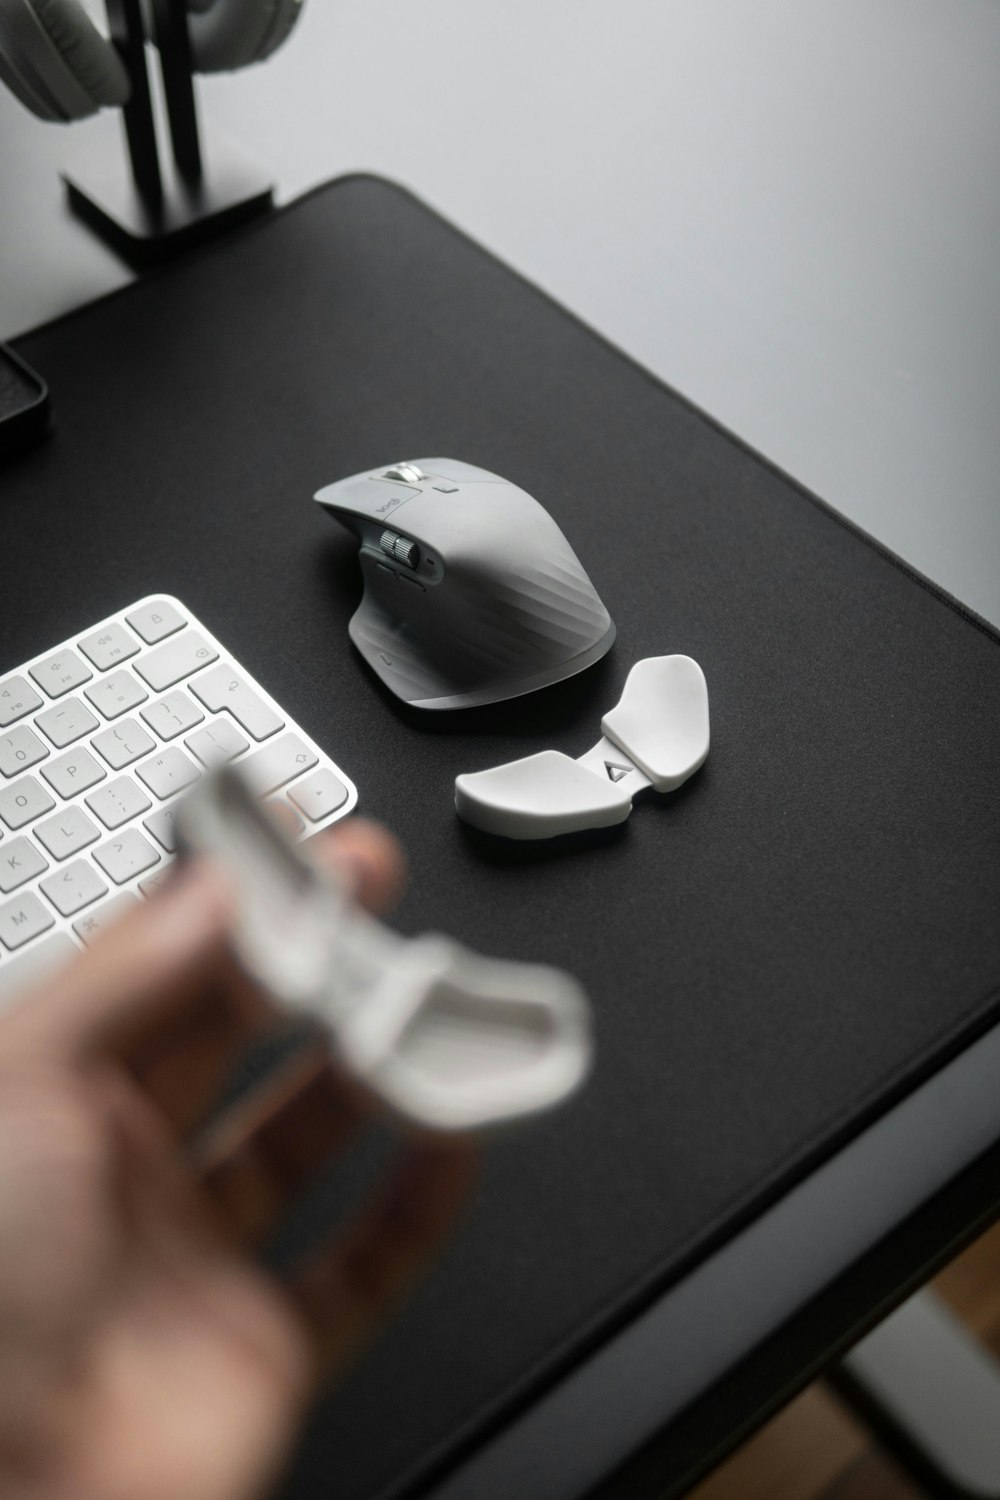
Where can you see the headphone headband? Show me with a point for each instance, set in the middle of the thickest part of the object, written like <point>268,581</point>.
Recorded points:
<point>61,67</point>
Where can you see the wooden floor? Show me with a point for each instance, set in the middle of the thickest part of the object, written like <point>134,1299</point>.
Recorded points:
<point>814,1451</point>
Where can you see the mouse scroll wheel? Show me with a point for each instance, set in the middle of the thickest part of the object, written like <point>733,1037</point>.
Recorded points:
<point>406,473</point>
<point>400,548</point>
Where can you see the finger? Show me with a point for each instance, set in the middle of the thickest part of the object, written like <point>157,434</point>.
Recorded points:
<point>370,857</point>
<point>346,1292</point>
<point>164,1217</point>
<point>257,1159</point>
<point>160,989</point>
<point>183,1062</point>
<point>153,959</point>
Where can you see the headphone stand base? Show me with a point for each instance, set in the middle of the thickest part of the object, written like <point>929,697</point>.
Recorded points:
<point>103,193</point>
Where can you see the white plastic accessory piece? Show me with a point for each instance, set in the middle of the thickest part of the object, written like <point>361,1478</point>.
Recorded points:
<point>444,1037</point>
<point>661,720</point>
<point>657,735</point>
<point>539,796</point>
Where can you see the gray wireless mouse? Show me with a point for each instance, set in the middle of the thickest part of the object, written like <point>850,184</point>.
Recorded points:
<point>472,593</point>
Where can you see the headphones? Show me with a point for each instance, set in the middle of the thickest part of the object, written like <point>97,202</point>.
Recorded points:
<point>59,64</point>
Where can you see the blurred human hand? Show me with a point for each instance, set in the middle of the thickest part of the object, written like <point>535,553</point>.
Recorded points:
<point>144,1353</point>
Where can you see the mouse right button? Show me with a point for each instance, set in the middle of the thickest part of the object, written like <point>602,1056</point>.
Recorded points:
<point>661,721</point>
<point>539,797</point>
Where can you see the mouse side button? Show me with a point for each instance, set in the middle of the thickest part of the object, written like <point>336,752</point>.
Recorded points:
<point>661,720</point>
<point>541,796</point>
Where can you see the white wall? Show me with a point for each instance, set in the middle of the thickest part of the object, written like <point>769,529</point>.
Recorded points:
<point>790,209</point>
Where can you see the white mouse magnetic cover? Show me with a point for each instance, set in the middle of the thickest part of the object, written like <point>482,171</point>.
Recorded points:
<point>446,1038</point>
<point>472,592</point>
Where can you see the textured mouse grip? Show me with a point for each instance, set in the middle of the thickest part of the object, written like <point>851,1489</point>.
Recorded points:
<point>473,594</point>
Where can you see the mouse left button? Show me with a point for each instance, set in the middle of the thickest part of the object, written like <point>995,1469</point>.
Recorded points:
<point>371,497</point>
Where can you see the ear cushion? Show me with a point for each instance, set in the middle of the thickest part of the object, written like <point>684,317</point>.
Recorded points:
<point>228,34</point>
<point>56,61</point>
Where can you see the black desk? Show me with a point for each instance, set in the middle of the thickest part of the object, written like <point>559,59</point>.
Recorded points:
<point>794,961</point>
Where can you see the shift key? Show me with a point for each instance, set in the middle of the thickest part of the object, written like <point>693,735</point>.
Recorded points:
<point>277,763</point>
<point>223,687</point>
<point>175,660</point>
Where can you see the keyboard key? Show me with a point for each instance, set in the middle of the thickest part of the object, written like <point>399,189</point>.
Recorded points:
<point>161,826</point>
<point>123,744</point>
<point>155,621</point>
<point>20,749</point>
<point>67,832</point>
<point>60,673</point>
<point>168,773</point>
<point>22,919</point>
<point>30,968</point>
<point>17,698</point>
<point>170,716</point>
<point>74,887</point>
<point>25,800</point>
<point>118,802</point>
<point>154,883</point>
<point>107,647</point>
<point>97,740</point>
<point>69,722</point>
<point>116,694</point>
<point>277,763</point>
<point>166,665</point>
<point>223,687</point>
<point>20,860</point>
<point>216,743</point>
<point>104,916</point>
<point>126,856</point>
<point>76,771</point>
<point>319,795</point>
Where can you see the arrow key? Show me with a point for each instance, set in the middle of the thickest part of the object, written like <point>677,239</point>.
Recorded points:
<point>277,763</point>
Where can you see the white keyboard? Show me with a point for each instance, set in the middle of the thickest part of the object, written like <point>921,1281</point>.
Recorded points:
<point>98,737</point>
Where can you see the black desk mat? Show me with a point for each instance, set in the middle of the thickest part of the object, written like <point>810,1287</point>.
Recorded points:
<point>775,953</point>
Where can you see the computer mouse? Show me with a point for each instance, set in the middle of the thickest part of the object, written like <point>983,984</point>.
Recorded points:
<point>472,593</point>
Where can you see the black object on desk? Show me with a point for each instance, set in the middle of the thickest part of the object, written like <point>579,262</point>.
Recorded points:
<point>24,404</point>
<point>166,202</point>
<point>787,957</point>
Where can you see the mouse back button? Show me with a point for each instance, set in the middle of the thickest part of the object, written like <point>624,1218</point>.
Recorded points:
<point>541,796</point>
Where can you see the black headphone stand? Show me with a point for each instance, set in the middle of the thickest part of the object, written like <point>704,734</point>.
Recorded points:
<point>158,205</point>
